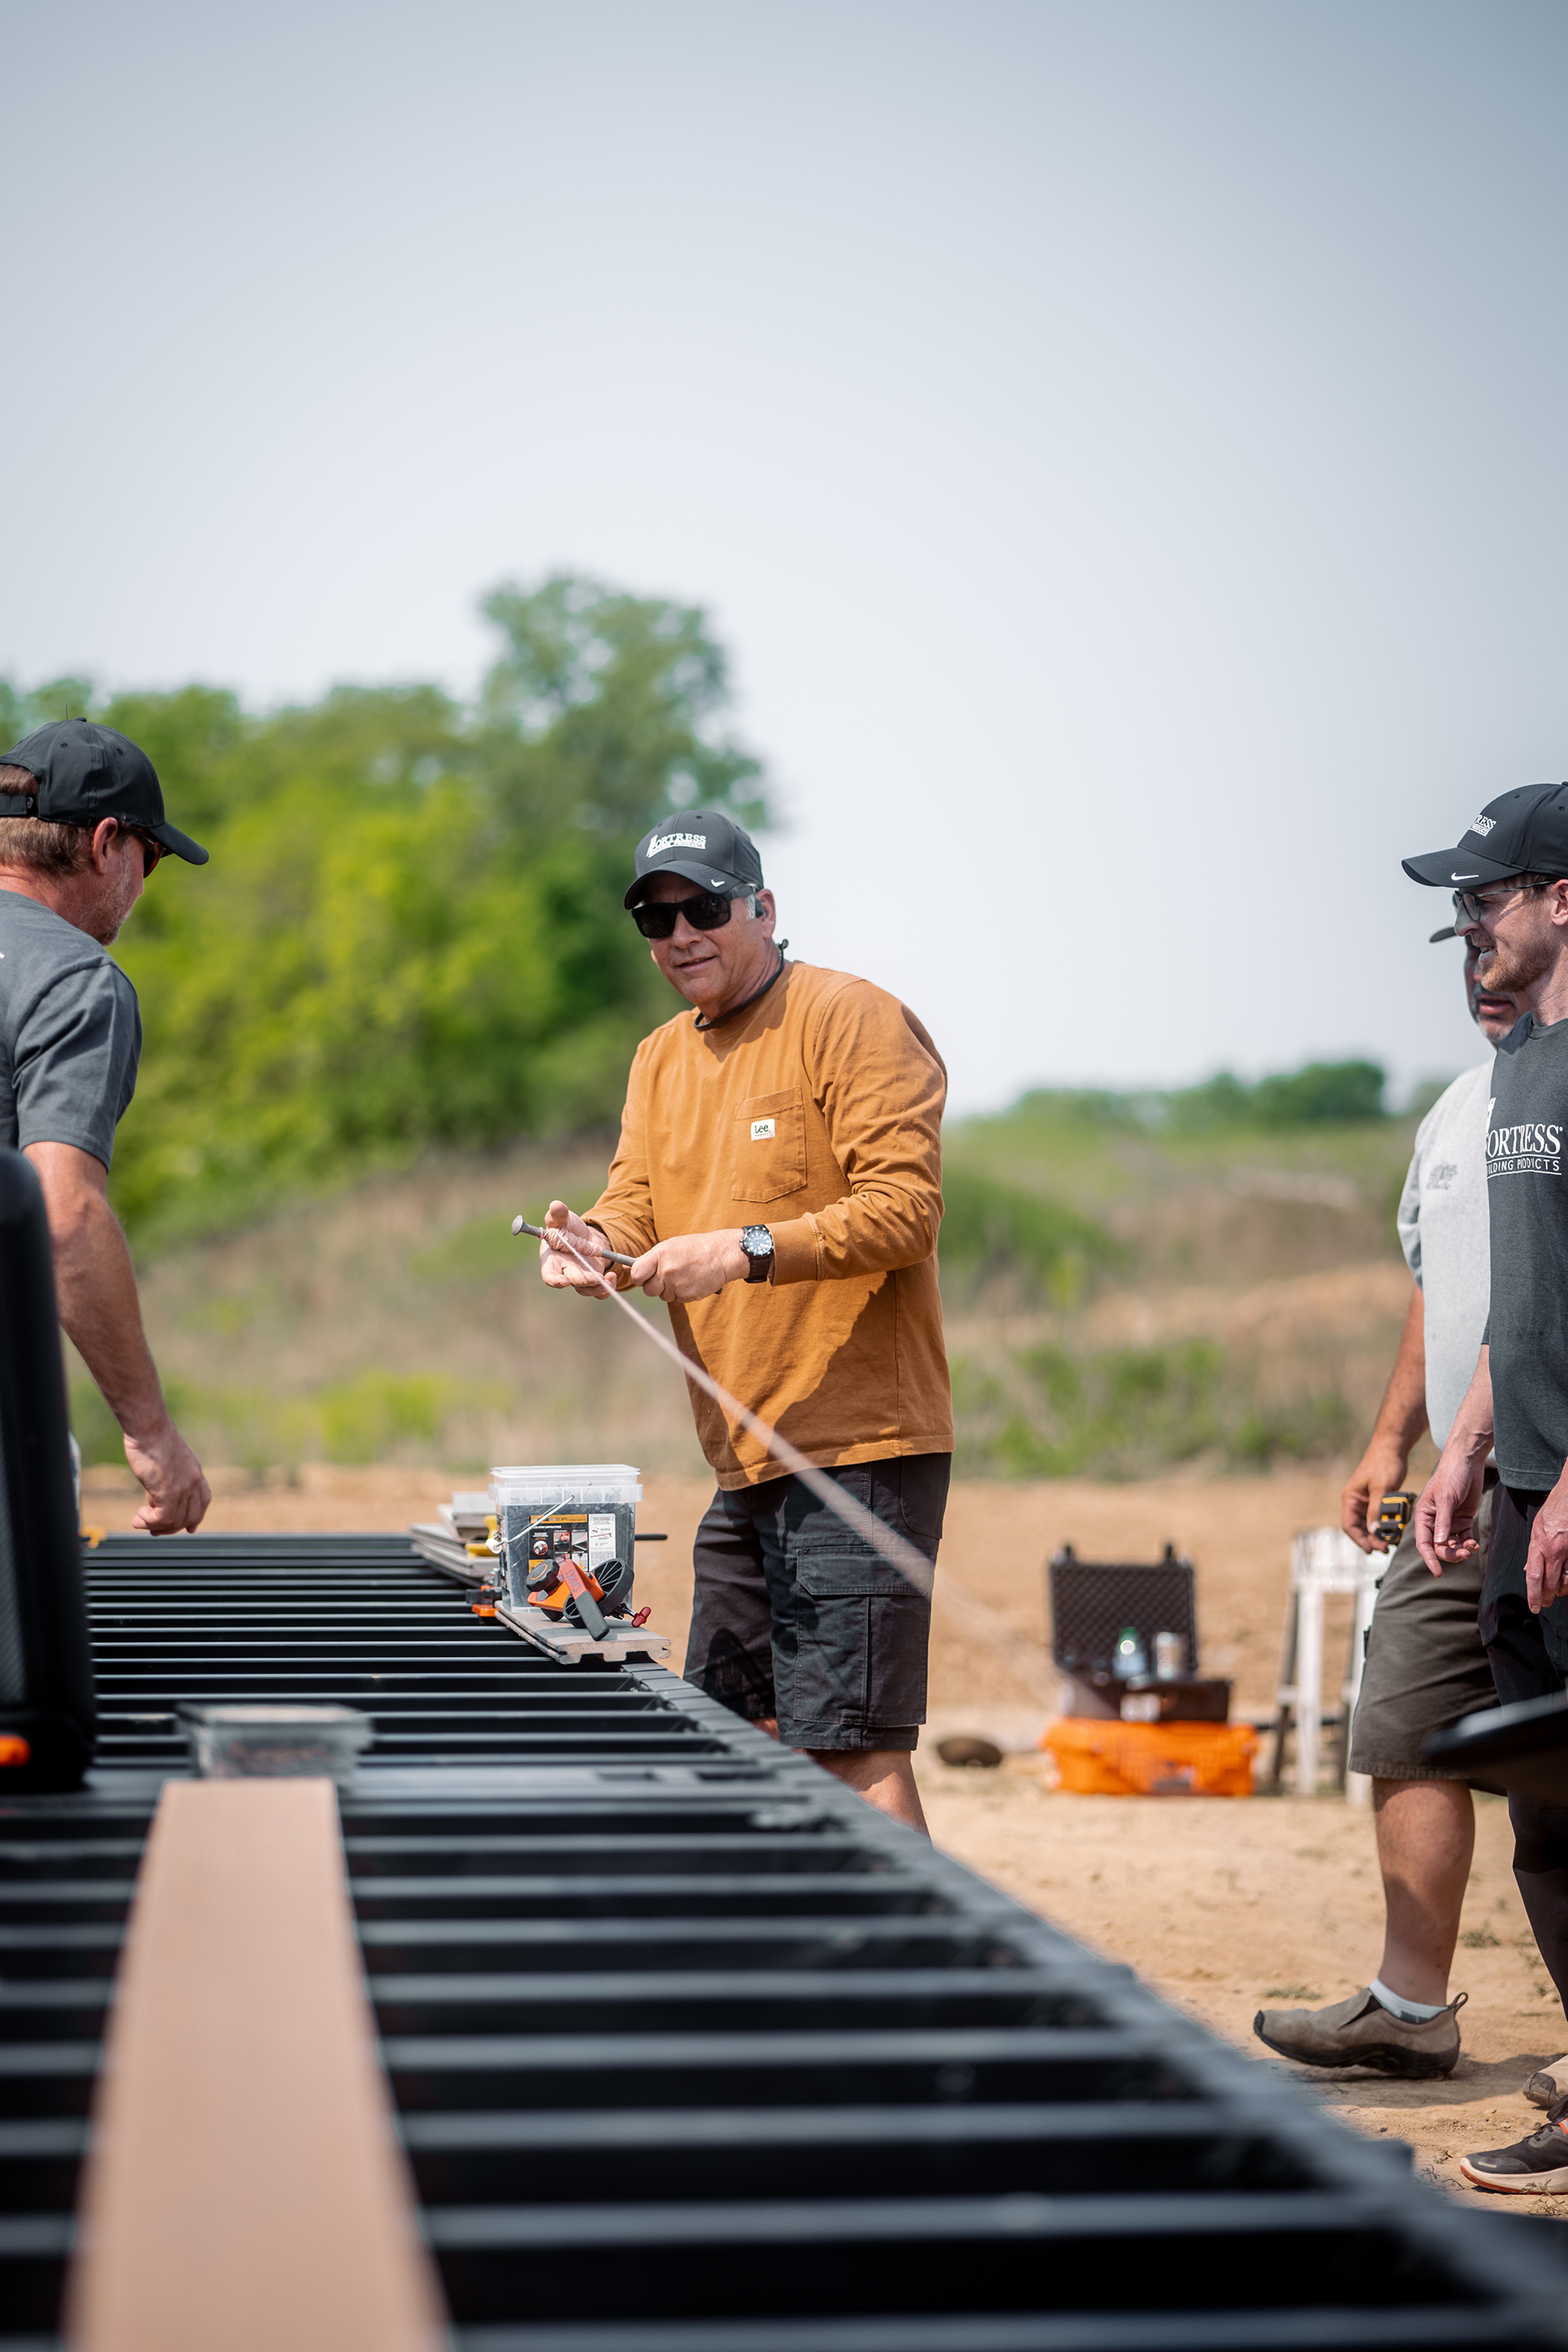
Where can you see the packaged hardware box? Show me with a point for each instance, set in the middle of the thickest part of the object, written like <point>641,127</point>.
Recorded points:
<point>586,1511</point>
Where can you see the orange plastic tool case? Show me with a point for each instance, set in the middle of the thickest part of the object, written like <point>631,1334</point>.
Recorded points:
<point>1152,1759</point>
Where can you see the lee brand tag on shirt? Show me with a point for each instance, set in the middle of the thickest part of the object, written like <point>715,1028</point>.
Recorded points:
<point>761,1130</point>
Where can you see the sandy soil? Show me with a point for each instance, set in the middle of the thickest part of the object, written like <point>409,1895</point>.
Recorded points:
<point>1224,1906</point>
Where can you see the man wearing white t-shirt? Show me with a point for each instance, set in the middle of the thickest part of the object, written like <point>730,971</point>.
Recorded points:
<point>1426,1666</point>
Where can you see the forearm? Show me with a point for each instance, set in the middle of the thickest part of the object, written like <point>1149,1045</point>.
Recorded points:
<point>96,1287</point>
<point>1401,1416</point>
<point>1446,1512</point>
<point>95,1291</point>
<point>1470,1438</point>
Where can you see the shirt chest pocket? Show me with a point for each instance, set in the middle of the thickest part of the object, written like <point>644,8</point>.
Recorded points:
<point>768,1148</point>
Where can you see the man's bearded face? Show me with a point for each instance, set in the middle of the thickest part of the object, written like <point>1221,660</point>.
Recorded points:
<point>1520,943</point>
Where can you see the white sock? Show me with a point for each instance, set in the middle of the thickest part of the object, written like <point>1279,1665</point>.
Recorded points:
<point>1413,2013</point>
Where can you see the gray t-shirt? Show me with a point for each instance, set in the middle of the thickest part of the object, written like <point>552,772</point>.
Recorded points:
<point>1529,1201</point>
<point>1443,1233</point>
<point>70,1033</point>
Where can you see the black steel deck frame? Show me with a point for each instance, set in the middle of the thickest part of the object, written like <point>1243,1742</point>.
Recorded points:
<point>690,2048</point>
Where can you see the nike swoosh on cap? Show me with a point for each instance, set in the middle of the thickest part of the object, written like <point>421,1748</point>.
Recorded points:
<point>1463,877</point>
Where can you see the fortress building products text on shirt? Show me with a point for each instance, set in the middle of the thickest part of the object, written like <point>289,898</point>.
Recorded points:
<point>1533,1150</point>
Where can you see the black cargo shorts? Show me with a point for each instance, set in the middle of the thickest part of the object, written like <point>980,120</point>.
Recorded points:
<point>795,1616</point>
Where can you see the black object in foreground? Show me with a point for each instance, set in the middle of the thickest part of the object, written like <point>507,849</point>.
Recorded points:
<point>47,1713</point>
<point>1523,1748</point>
<point>693,2052</point>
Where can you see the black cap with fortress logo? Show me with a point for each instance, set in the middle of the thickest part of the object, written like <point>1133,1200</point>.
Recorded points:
<point>1521,831</point>
<point>84,772</point>
<point>702,846</point>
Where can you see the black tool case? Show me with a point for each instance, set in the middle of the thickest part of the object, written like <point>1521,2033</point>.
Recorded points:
<point>1091,1601</point>
<point>690,2048</point>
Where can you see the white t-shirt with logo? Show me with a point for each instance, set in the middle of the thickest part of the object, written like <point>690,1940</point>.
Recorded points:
<point>1443,1231</point>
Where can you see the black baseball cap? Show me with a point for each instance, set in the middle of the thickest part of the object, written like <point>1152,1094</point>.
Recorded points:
<point>702,846</point>
<point>1521,831</point>
<point>85,773</point>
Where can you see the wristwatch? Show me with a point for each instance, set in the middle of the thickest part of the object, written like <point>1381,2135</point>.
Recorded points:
<point>758,1245</point>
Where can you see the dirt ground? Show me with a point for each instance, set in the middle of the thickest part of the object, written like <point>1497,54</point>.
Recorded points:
<point>1224,1906</point>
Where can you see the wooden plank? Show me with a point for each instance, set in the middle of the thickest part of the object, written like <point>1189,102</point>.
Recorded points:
<point>245,2188</point>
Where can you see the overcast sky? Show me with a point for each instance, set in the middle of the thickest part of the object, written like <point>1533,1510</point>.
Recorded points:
<point>1122,445</point>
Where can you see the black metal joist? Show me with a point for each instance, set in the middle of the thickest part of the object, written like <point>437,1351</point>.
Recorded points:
<point>691,2048</point>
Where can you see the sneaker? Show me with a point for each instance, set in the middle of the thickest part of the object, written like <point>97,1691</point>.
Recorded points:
<point>1535,2167</point>
<point>1359,2032</point>
<point>1550,2083</point>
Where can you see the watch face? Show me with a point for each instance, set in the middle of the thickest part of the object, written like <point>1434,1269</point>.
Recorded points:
<point>757,1242</point>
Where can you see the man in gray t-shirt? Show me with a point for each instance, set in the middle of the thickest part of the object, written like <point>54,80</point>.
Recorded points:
<point>70,1029</point>
<point>1425,1665</point>
<point>82,828</point>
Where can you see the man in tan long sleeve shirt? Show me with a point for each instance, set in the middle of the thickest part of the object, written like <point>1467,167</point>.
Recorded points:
<point>778,1181</point>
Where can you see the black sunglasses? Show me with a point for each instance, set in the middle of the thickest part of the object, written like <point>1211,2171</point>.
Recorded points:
<point>151,850</point>
<point>709,911</point>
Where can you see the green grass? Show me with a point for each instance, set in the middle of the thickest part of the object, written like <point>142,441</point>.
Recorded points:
<point>1091,1253</point>
<point>483,1250</point>
<point>1052,1411</point>
<point>1071,1200</point>
<point>990,1226</point>
<point>373,1416</point>
<point>1089,1152</point>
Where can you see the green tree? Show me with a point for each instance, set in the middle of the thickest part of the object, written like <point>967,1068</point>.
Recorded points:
<point>410,928</point>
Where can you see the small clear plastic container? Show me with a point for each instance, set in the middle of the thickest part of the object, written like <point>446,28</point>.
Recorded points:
<point>592,1505</point>
<point>604,1483</point>
<point>242,1743</point>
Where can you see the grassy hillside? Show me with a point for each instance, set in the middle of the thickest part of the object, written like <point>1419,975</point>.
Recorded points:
<point>1127,1284</point>
<point>1240,1306</point>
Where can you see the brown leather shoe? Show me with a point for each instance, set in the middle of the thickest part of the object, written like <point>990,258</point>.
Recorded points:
<point>1359,2032</point>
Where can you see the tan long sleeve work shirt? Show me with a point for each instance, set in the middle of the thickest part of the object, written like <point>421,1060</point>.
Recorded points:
<point>817,1113</point>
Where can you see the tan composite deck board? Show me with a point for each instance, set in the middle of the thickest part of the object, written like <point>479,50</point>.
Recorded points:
<point>245,2189</point>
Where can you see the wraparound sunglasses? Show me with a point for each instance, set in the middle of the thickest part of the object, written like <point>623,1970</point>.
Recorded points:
<point>709,911</point>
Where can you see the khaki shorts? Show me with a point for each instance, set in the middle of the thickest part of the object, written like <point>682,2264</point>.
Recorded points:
<point>1426,1666</point>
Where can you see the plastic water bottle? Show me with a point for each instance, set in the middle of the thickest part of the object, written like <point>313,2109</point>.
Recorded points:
<point>1131,1658</point>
